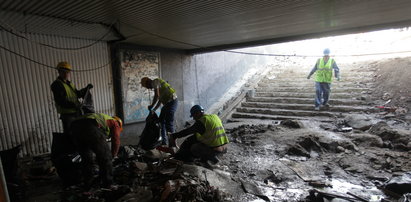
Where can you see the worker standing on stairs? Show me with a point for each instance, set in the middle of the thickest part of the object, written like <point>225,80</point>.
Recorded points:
<point>209,141</point>
<point>66,95</point>
<point>323,78</point>
<point>166,95</point>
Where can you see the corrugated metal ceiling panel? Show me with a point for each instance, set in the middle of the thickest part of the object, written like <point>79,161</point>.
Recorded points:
<point>220,22</point>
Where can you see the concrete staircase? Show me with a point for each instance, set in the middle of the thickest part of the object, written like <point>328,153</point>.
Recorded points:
<point>290,95</point>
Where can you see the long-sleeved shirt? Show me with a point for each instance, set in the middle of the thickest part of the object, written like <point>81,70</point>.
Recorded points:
<point>115,136</point>
<point>334,66</point>
<point>197,127</point>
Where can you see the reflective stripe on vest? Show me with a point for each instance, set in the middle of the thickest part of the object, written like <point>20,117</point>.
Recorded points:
<point>100,119</point>
<point>166,92</point>
<point>324,72</point>
<point>214,134</point>
<point>71,96</point>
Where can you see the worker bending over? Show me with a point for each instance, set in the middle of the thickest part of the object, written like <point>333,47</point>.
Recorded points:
<point>166,95</point>
<point>66,95</point>
<point>89,133</point>
<point>209,141</point>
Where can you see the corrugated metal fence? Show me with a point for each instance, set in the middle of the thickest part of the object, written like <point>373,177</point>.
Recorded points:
<point>28,116</point>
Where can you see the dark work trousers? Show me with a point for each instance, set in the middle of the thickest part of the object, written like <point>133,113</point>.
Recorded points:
<point>184,153</point>
<point>88,138</point>
<point>67,119</point>
<point>167,119</point>
<point>205,152</point>
<point>322,93</point>
<point>192,148</point>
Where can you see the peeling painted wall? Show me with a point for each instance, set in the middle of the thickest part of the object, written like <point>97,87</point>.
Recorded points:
<point>136,65</point>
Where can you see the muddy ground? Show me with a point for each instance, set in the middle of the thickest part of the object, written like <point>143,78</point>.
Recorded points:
<point>353,158</point>
<point>286,163</point>
<point>392,79</point>
<point>266,161</point>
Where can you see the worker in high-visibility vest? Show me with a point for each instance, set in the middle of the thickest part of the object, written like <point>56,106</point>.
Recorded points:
<point>89,133</point>
<point>323,70</point>
<point>208,142</point>
<point>66,96</point>
<point>164,95</point>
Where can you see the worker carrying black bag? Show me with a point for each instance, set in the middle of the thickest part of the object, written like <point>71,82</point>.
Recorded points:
<point>150,138</point>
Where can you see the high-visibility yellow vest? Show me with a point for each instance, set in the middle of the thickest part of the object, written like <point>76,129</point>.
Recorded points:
<point>100,119</point>
<point>166,92</point>
<point>214,134</point>
<point>71,96</point>
<point>324,73</point>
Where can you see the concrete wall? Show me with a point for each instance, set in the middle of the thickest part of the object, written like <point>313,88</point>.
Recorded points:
<point>199,79</point>
<point>207,77</point>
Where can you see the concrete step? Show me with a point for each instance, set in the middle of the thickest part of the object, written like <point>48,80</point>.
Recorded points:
<point>311,83</point>
<point>306,95</point>
<point>348,102</point>
<point>290,95</point>
<point>307,107</point>
<point>344,74</point>
<point>305,80</point>
<point>286,112</point>
<point>239,115</point>
<point>296,81</point>
<point>310,89</point>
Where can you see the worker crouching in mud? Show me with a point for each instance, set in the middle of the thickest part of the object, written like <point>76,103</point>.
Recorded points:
<point>89,133</point>
<point>209,142</point>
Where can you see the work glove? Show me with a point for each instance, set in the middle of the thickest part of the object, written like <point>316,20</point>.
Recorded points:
<point>89,86</point>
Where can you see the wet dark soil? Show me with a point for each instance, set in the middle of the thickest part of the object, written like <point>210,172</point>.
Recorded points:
<point>265,162</point>
<point>285,162</point>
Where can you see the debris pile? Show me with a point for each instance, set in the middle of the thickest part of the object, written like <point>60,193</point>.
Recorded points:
<point>139,178</point>
<point>273,162</point>
<point>393,138</point>
<point>246,134</point>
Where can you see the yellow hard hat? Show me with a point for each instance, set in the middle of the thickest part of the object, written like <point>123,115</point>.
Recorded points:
<point>144,81</point>
<point>120,122</point>
<point>64,65</point>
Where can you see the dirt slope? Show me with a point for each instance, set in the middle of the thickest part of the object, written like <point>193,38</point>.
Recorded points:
<point>393,81</point>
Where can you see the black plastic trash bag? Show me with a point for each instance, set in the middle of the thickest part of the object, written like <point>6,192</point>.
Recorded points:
<point>150,138</point>
<point>63,156</point>
<point>87,106</point>
<point>9,162</point>
<point>15,184</point>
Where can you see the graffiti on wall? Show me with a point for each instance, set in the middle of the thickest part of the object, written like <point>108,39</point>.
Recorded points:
<point>136,65</point>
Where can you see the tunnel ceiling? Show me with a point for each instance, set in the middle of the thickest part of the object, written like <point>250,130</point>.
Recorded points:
<point>203,25</point>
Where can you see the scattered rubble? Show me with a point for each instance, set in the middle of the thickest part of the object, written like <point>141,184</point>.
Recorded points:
<point>399,184</point>
<point>292,123</point>
<point>396,138</point>
<point>360,121</point>
<point>264,162</point>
